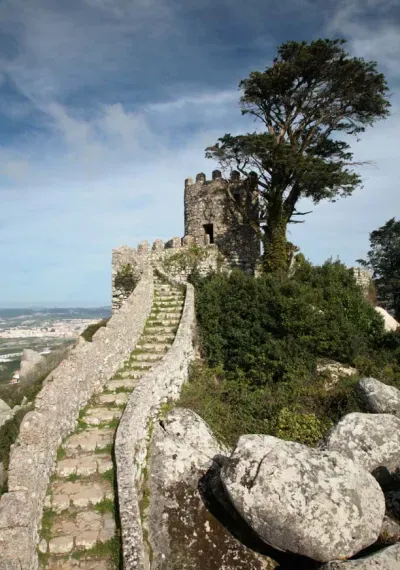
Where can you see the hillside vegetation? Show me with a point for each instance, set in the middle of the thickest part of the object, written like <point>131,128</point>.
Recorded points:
<point>261,340</point>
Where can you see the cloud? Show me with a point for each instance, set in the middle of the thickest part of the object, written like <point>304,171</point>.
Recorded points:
<point>107,106</point>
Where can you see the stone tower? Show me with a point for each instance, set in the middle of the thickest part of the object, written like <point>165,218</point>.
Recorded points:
<point>212,218</point>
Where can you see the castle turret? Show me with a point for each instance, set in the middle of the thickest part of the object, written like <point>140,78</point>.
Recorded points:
<point>213,217</point>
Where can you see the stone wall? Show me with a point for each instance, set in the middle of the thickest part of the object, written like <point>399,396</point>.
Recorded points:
<point>163,383</point>
<point>56,412</point>
<point>121,257</point>
<point>176,258</point>
<point>212,216</point>
<point>362,276</point>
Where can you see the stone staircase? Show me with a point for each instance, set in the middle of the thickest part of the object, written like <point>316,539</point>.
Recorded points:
<point>80,520</point>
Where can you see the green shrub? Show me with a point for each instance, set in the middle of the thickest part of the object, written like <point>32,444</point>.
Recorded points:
<point>127,278</point>
<point>297,426</point>
<point>9,433</point>
<point>260,342</point>
<point>89,331</point>
<point>274,329</point>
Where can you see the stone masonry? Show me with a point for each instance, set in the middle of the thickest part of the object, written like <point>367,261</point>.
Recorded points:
<point>211,216</point>
<point>67,391</point>
<point>225,233</point>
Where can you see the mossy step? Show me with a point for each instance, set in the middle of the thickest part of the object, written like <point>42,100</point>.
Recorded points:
<point>145,357</point>
<point>154,329</point>
<point>163,338</point>
<point>154,346</point>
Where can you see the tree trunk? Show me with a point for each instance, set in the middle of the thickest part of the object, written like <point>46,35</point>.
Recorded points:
<point>275,245</point>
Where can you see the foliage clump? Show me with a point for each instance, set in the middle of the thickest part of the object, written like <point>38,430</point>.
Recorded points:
<point>187,259</point>
<point>312,95</point>
<point>126,278</point>
<point>261,340</point>
<point>384,260</point>
<point>90,330</point>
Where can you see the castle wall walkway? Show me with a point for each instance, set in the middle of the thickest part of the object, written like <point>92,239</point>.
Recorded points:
<point>162,384</point>
<point>66,391</point>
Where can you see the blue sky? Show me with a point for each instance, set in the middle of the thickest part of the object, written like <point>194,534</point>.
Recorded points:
<point>106,107</point>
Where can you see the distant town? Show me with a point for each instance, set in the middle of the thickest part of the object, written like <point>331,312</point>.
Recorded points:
<point>68,328</point>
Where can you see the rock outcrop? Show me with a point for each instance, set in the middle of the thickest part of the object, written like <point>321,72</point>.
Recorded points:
<point>386,559</point>
<point>182,532</point>
<point>304,501</point>
<point>30,361</point>
<point>371,440</point>
<point>377,397</point>
<point>5,412</point>
<point>390,323</point>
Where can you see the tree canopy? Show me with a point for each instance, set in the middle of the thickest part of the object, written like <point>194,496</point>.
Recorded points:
<point>384,260</point>
<point>312,93</point>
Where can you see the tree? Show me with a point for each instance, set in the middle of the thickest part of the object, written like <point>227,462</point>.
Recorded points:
<point>310,93</point>
<point>384,260</point>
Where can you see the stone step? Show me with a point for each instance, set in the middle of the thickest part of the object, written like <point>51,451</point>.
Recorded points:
<point>142,365</point>
<point>152,329</point>
<point>119,399</point>
<point>145,357</point>
<point>84,465</point>
<point>80,532</point>
<point>130,374</point>
<point>124,383</point>
<point>170,298</point>
<point>83,564</point>
<point>168,291</point>
<point>89,439</point>
<point>165,315</point>
<point>158,338</point>
<point>168,302</point>
<point>79,494</point>
<point>165,319</point>
<point>153,346</point>
<point>96,416</point>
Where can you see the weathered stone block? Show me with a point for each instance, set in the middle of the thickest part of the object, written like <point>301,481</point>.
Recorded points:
<point>174,243</point>
<point>188,241</point>
<point>143,247</point>
<point>158,245</point>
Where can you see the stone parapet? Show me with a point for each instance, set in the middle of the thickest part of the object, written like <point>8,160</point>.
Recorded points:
<point>163,383</point>
<point>55,415</point>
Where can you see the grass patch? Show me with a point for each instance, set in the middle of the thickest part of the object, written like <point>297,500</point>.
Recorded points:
<point>110,549</point>
<point>9,432</point>
<point>47,523</point>
<point>109,476</point>
<point>73,477</point>
<point>105,506</point>
<point>43,558</point>
<point>61,453</point>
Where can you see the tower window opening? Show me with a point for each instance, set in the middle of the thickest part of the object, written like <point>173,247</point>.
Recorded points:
<point>209,230</point>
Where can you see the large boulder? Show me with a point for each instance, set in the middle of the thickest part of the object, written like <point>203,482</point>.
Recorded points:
<point>390,323</point>
<point>371,440</point>
<point>386,559</point>
<point>182,532</point>
<point>302,500</point>
<point>377,397</point>
<point>30,362</point>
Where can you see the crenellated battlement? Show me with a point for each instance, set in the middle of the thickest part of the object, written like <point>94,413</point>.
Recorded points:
<point>213,222</point>
<point>216,176</point>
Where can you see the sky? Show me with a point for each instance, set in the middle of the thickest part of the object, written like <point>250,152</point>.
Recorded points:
<point>106,106</point>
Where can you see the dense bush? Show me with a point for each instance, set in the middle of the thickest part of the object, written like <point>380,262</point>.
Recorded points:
<point>274,329</point>
<point>261,339</point>
<point>127,278</point>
